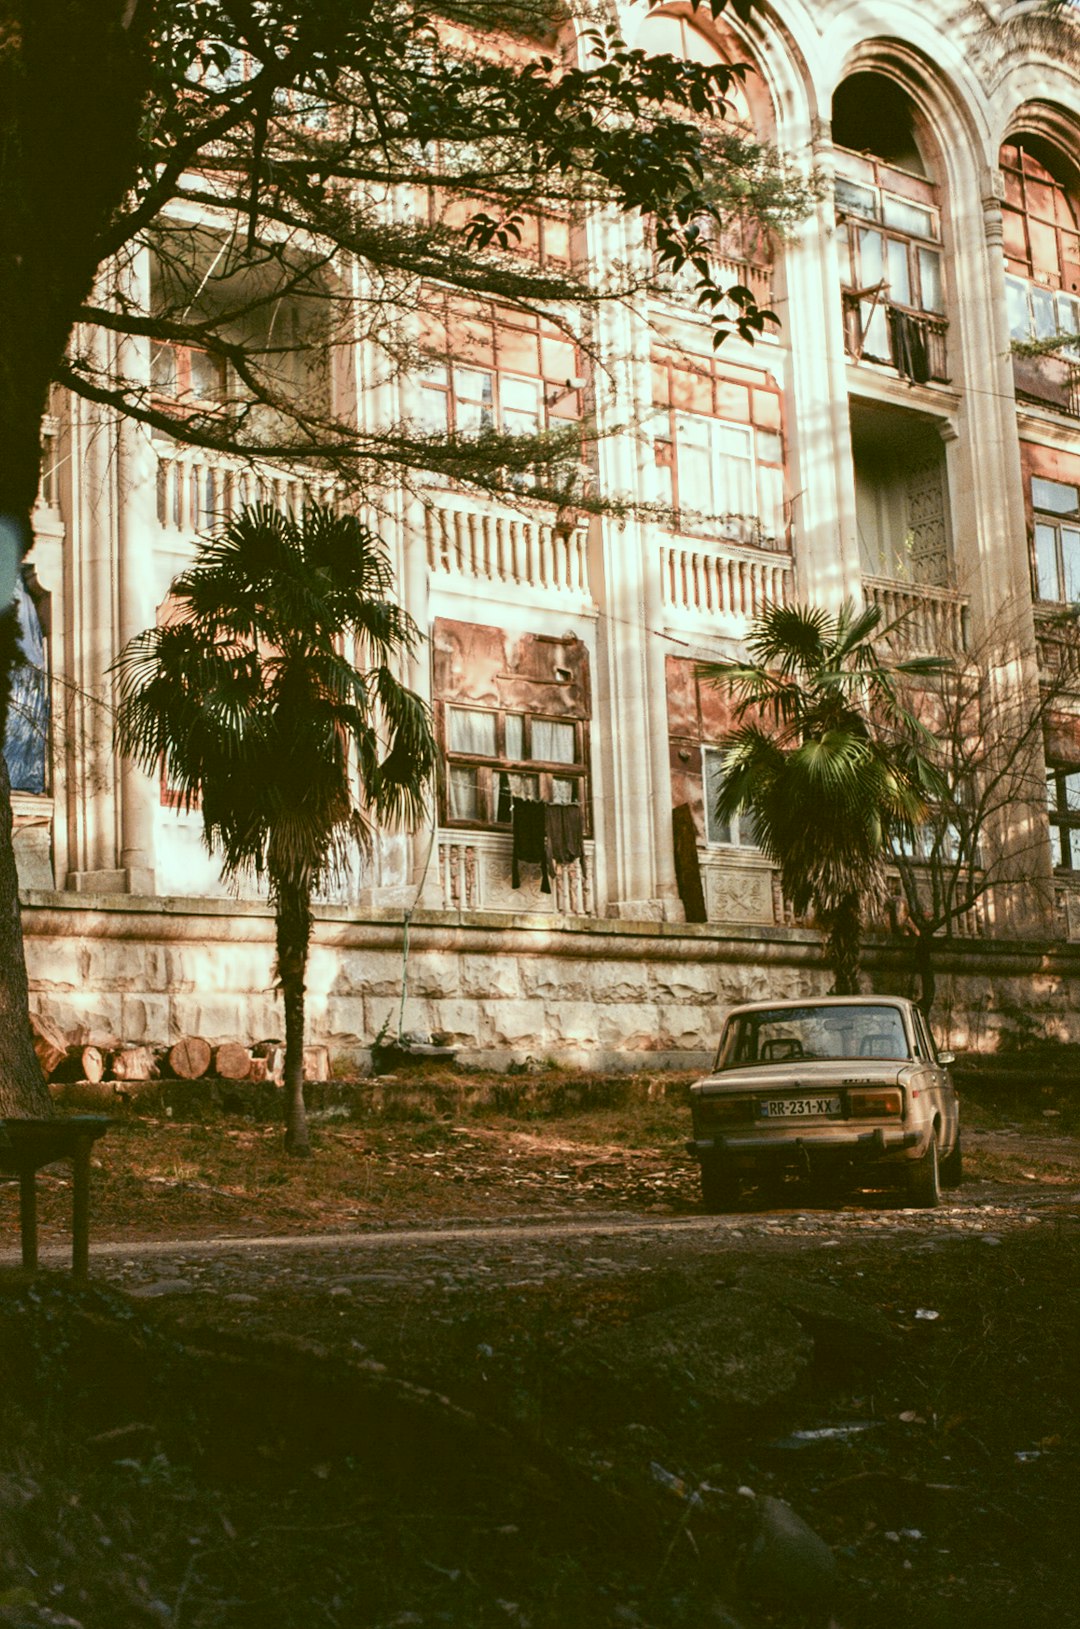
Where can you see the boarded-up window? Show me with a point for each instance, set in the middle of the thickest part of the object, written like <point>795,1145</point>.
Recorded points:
<point>513,718</point>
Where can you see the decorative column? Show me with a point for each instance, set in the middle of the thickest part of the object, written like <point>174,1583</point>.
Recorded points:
<point>992,557</point>
<point>424,887</point>
<point>110,589</point>
<point>635,801</point>
<point>136,530</point>
<point>991,539</point>
<point>405,864</point>
<point>821,472</point>
<point>88,779</point>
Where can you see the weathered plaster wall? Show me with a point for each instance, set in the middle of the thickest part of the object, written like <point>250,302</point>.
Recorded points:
<point>607,994</point>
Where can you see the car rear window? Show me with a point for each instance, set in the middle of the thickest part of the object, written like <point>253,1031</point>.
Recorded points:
<point>783,1035</point>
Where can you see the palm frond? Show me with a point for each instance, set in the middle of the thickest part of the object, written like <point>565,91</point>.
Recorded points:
<point>250,701</point>
<point>828,756</point>
<point>790,638</point>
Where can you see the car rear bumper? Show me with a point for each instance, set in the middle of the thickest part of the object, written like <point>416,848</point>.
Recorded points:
<point>874,1143</point>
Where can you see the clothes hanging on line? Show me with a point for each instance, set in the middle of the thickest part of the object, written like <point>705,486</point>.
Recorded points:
<point>566,834</point>
<point>529,842</point>
<point>908,340</point>
<point>547,835</point>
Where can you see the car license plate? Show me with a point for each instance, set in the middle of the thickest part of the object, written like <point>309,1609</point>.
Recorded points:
<point>798,1108</point>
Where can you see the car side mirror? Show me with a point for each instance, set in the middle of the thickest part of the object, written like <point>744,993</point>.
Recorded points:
<point>945,1058</point>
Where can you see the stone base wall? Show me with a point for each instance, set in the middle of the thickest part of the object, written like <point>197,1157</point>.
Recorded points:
<point>598,994</point>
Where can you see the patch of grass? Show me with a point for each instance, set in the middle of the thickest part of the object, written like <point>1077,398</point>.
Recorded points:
<point>163,1177</point>
<point>505,1148</point>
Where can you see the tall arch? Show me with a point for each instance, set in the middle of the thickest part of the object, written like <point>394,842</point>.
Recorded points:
<point>1040,183</point>
<point>1040,179</point>
<point>676,30</point>
<point>970,407</point>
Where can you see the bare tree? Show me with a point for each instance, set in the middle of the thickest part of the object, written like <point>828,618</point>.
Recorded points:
<point>982,847</point>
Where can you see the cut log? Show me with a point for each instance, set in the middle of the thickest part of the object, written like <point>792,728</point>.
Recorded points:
<point>50,1043</point>
<point>91,1064</point>
<point>81,1063</point>
<point>190,1058</point>
<point>232,1061</point>
<point>85,1063</point>
<point>259,1070</point>
<point>132,1063</point>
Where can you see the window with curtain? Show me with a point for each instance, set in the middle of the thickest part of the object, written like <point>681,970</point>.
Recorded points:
<point>891,266</point>
<point>1041,224</point>
<point>493,757</point>
<point>185,374</point>
<point>485,372</point>
<point>893,241</point>
<point>738,832</point>
<point>467,401</point>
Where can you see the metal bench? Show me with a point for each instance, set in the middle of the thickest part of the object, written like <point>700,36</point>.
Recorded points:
<point>27,1145</point>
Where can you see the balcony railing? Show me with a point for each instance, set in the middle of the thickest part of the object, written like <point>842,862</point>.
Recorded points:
<point>522,552</point>
<point>1067,910</point>
<point>198,491</point>
<point>475,874</point>
<point>1049,381</point>
<point>910,341</point>
<point>741,257</point>
<point>933,621</point>
<point>1058,640</point>
<point>704,581</point>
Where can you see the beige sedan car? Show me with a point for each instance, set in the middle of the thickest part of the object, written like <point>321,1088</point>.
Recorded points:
<point>847,1089</point>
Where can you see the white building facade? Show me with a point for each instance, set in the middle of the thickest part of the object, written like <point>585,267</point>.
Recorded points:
<point>882,443</point>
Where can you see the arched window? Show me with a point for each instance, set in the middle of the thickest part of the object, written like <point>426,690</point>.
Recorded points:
<point>26,744</point>
<point>1040,218</point>
<point>742,246</point>
<point>889,212</point>
<point>665,35</point>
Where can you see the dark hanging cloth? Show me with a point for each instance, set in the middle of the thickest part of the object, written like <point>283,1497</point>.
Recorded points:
<point>687,863</point>
<point>566,834</point>
<point>908,341</point>
<point>530,841</point>
<point>547,835</point>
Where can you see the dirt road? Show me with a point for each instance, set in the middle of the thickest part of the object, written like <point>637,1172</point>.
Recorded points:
<point>563,1403</point>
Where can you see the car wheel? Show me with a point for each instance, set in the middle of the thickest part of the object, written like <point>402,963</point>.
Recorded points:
<point>924,1179</point>
<point>720,1187</point>
<point>952,1166</point>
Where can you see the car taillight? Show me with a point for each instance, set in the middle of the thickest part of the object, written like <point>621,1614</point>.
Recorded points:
<point>876,1104</point>
<point>723,1111</point>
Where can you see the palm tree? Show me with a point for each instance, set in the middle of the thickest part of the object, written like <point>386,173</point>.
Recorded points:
<point>828,762</point>
<point>270,702</point>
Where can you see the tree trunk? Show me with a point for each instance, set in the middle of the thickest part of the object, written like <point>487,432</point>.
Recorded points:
<point>292,906</point>
<point>843,943</point>
<point>73,78</point>
<point>924,967</point>
<point>23,1093</point>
